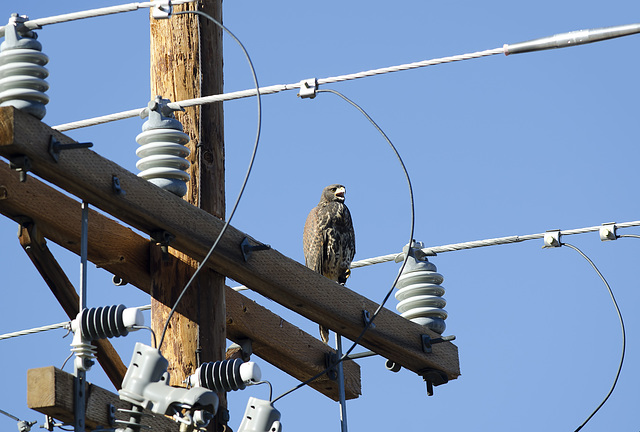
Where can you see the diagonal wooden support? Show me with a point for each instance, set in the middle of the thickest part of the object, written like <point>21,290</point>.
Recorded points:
<point>148,208</point>
<point>122,252</point>
<point>36,248</point>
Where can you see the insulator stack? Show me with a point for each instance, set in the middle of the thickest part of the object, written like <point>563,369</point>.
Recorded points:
<point>22,70</point>
<point>226,375</point>
<point>419,291</point>
<point>107,322</point>
<point>162,149</point>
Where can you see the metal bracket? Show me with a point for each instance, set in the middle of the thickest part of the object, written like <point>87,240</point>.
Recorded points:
<point>330,360</point>
<point>111,415</point>
<point>248,249</point>
<point>115,186</point>
<point>55,147</point>
<point>427,342</point>
<point>308,88</point>
<point>162,10</point>
<point>366,319</point>
<point>552,239</point>
<point>22,164</point>
<point>433,377</point>
<point>164,239</point>
<point>608,231</point>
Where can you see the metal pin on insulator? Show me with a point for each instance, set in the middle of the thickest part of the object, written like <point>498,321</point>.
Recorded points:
<point>162,148</point>
<point>22,70</point>
<point>419,290</point>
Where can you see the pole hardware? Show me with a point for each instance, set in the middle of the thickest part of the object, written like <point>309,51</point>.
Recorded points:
<point>608,231</point>
<point>552,239</point>
<point>427,342</point>
<point>56,147</point>
<point>248,249</point>
<point>433,377</point>
<point>366,318</point>
<point>331,361</point>
<point>22,164</point>
<point>115,186</point>
<point>163,239</point>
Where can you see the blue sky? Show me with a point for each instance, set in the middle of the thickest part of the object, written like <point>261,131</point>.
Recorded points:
<point>495,147</point>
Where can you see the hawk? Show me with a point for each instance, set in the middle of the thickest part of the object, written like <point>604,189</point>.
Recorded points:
<point>329,241</point>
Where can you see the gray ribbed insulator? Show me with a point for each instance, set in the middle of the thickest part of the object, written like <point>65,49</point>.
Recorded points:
<point>22,70</point>
<point>162,149</point>
<point>419,292</point>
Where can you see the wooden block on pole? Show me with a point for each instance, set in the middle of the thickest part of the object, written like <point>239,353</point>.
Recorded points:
<point>117,247</point>
<point>148,208</point>
<point>50,392</point>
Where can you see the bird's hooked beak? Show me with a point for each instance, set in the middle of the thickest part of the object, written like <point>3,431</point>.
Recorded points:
<point>340,192</point>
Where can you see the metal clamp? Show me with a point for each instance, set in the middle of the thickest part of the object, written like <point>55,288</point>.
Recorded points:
<point>308,88</point>
<point>164,239</point>
<point>552,239</point>
<point>116,187</point>
<point>433,377</point>
<point>367,320</point>
<point>608,231</point>
<point>331,361</point>
<point>163,9</point>
<point>22,164</point>
<point>248,249</point>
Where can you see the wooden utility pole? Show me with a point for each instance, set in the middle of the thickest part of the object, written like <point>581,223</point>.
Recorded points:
<point>186,62</point>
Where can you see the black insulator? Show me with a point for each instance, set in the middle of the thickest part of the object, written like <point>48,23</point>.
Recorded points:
<point>103,322</point>
<point>222,375</point>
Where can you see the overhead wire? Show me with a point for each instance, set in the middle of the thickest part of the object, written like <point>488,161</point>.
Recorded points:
<point>615,304</point>
<point>244,182</point>
<point>91,13</point>
<point>489,242</point>
<point>276,88</point>
<point>66,325</point>
<point>368,324</point>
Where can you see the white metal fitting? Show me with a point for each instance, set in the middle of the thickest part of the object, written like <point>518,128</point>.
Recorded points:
<point>162,10</point>
<point>308,88</point>
<point>608,231</point>
<point>552,239</point>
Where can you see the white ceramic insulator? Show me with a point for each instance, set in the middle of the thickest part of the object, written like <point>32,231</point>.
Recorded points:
<point>22,83</point>
<point>420,297</point>
<point>163,160</point>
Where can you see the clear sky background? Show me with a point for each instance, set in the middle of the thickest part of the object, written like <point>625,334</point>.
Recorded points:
<point>495,147</point>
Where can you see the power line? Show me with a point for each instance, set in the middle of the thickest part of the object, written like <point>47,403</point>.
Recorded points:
<point>556,41</point>
<point>66,325</point>
<point>274,89</point>
<point>74,16</point>
<point>487,242</point>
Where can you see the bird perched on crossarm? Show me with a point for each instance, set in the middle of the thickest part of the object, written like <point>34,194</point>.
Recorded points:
<point>329,241</point>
